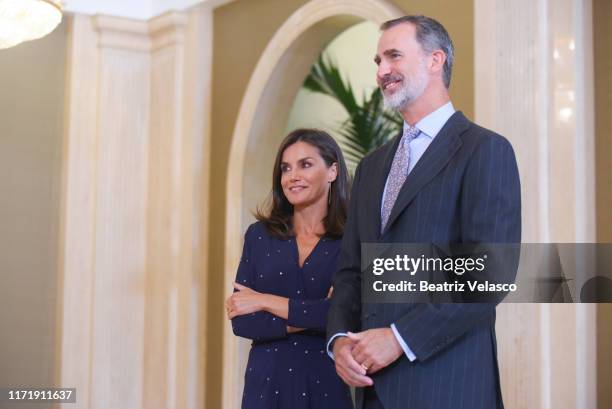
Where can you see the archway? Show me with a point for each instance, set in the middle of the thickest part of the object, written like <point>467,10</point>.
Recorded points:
<point>263,113</point>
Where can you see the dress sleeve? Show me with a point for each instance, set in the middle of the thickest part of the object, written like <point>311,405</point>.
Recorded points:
<point>308,313</point>
<point>260,325</point>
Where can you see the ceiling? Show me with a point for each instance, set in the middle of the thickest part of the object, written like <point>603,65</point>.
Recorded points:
<point>135,9</point>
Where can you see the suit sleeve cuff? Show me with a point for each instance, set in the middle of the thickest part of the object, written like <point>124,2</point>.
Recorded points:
<point>409,354</point>
<point>331,341</point>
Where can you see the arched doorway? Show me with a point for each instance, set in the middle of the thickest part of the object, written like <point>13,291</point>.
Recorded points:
<point>261,121</point>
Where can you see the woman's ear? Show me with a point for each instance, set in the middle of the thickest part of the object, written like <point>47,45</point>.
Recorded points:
<point>332,172</point>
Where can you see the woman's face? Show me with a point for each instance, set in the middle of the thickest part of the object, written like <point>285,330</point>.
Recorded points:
<point>305,177</point>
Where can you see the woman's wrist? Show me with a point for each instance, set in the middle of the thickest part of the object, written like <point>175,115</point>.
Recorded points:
<point>264,302</point>
<point>274,304</point>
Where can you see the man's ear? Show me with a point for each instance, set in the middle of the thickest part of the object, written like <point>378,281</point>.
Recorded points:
<point>438,58</point>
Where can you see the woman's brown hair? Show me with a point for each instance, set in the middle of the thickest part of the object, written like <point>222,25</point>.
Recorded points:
<point>279,215</point>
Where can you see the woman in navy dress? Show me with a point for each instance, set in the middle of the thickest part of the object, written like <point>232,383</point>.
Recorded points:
<point>283,283</point>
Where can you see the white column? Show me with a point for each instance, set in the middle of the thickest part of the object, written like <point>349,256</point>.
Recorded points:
<point>104,212</point>
<point>121,175</point>
<point>166,255</point>
<point>534,86</point>
<point>77,224</point>
<point>134,211</point>
<point>177,197</point>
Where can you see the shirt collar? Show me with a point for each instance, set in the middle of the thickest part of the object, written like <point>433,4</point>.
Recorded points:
<point>431,124</point>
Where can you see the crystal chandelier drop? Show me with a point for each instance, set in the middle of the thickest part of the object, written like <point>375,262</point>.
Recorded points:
<point>25,20</point>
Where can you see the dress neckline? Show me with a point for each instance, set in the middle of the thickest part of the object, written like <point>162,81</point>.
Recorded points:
<point>296,251</point>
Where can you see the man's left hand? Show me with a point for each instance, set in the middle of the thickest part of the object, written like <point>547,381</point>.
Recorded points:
<point>375,348</point>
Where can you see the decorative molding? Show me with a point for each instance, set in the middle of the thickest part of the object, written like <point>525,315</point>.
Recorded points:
<point>122,33</point>
<point>134,35</point>
<point>167,29</point>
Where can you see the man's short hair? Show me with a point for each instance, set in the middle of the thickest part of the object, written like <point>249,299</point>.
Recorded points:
<point>431,35</point>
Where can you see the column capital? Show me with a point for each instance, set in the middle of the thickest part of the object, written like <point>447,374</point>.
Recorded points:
<point>167,29</point>
<point>122,33</point>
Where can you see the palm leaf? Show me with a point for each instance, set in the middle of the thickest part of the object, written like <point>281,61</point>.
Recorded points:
<point>325,78</point>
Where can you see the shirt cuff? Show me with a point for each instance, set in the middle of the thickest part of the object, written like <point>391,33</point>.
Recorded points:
<point>409,354</point>
<point>331,341</point>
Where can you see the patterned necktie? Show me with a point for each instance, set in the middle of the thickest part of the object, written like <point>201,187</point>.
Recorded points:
<point>397,174</point>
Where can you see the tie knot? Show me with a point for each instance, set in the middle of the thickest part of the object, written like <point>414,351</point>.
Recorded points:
<point>411,132</point>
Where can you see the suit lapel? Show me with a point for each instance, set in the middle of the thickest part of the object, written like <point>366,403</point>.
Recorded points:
<point>436,156</point>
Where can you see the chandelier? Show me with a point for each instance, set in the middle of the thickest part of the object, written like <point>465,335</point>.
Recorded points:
<point>25,20</point>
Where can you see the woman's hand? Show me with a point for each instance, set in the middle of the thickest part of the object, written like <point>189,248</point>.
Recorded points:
<point>244,301</point>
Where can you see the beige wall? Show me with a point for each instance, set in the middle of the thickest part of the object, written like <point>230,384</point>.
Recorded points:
<point>602,12</point>
<point>604,356</point>
<point>242,30</point>
<point>31,110</point>
<point>458,18</point>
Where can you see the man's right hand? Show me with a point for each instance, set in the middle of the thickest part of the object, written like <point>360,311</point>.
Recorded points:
<point>351,372</point>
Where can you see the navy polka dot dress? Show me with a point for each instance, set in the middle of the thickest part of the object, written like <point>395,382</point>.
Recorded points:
<point>289,371</point>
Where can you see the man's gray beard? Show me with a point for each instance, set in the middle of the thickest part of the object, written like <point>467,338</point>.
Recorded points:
<point>406,94</point>
<point>399,99</point>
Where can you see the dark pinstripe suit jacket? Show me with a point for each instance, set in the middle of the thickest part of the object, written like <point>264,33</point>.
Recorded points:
<point>464,189</point>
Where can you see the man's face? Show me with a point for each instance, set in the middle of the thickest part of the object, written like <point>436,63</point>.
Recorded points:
<point>402,66</point>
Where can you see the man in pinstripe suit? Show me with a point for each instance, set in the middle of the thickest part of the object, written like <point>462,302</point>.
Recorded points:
<point>444,180</point>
